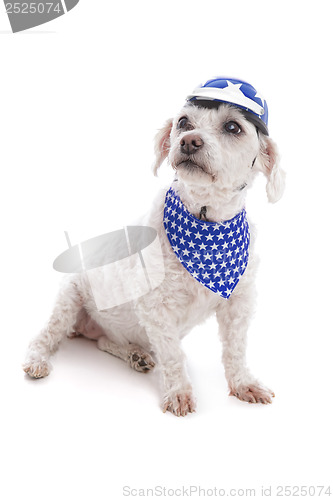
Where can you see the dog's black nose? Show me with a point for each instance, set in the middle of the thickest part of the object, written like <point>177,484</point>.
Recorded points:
<point>190,144</point>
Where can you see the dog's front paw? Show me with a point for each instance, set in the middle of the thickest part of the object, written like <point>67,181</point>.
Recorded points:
<point>253,393</point>
<point>141,361</point>
<point>179,403</point>
<point>37,369</point>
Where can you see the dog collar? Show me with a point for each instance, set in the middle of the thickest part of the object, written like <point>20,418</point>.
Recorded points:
<point>214,253</point>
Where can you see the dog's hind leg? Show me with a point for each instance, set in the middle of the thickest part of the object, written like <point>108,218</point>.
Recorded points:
<point>133,354</point>
<point>60,324</point>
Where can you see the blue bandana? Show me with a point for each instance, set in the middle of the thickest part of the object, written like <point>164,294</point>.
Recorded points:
<point>215,253</point>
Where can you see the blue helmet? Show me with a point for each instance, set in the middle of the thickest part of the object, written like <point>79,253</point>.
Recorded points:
<point>235,92</point>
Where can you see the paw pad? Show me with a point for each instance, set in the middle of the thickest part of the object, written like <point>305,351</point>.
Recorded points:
<point>141,361</point>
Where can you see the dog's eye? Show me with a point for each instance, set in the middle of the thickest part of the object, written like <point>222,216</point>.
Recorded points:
<point>183,122</point>
<point>232,128</point>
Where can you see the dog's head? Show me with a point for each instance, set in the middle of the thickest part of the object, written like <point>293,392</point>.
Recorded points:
<point>219,147</point>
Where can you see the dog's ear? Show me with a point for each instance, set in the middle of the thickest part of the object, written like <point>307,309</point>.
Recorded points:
<point>269,164</point>
<point>162,144</point>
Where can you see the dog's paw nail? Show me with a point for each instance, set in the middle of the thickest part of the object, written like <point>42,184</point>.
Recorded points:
<point>37,370</point>
<point>253,394</point>
<point>180,404</point>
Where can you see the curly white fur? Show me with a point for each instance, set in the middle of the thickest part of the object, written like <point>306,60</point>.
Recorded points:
<point>155,323</point>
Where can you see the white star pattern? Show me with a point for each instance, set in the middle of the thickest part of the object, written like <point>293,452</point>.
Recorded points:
<point>259,96</point>
<point>235,93</point>
<point>219,259</point>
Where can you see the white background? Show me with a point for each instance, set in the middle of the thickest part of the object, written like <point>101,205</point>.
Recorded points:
<point>81,99</point>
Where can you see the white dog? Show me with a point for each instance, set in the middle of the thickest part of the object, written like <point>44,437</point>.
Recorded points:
<point>216,151</point>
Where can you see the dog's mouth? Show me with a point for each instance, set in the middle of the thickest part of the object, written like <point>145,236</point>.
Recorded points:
<point>190,166</point>
<point>192,169</point>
